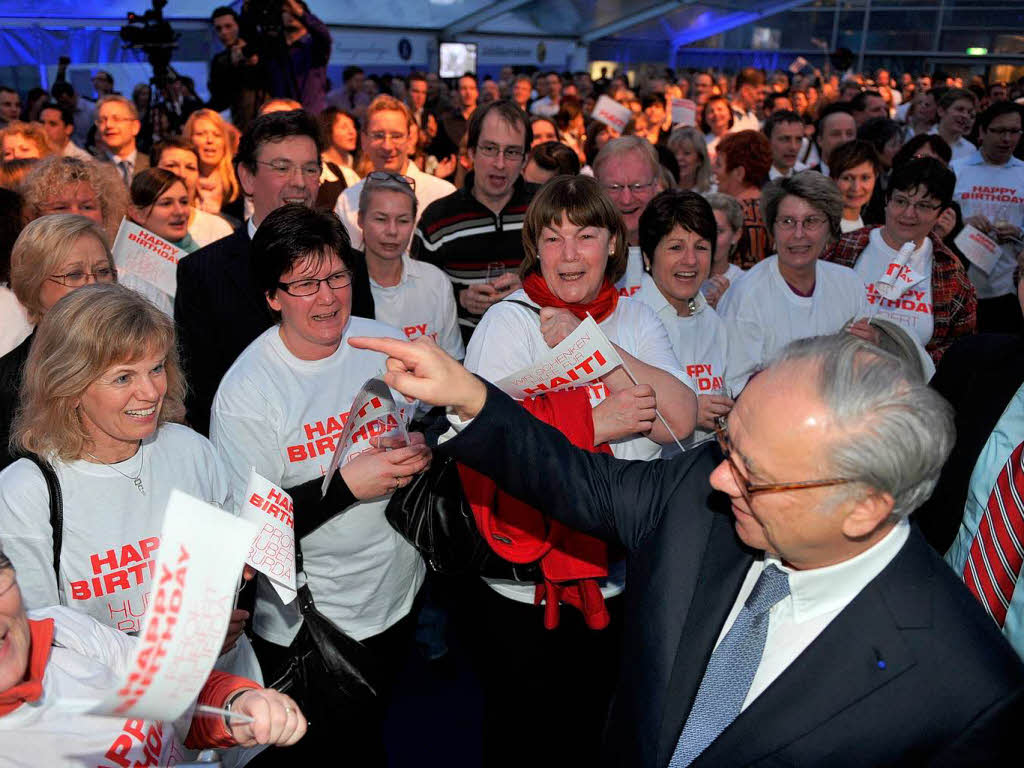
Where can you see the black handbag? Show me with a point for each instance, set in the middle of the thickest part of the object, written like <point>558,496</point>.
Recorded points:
<point>327,672</point>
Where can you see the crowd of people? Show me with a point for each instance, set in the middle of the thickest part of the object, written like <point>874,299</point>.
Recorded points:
<point>781,280</point>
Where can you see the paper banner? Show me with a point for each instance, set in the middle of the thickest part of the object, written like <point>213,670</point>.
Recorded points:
<point>581,357</point>
<point>797,65</point>
<point>202,550</point>
<point>611,113</point>
<point>373,414</point>
<point>980,249</point>
<point>272,550</point>
<point>139,252</point>
<point>684,112</point>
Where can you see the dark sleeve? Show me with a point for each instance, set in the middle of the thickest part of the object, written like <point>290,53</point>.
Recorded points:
<point>194,347</point>
<point>220,83</point>
<point>991,737</point>
<point>312,511</point>
<point>362,296</point>
<point>321,39</point>
<point>595,493</point>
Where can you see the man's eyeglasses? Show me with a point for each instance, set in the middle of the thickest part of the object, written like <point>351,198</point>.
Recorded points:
<point>511,154</point>
<point>748,489</point>
<point>1005,131</point>
<point>310,286</point>
<point>388,176</point>
<point>78,278</point>
<point>379,137</point>
<point>636,189</point>
<point>285,169</point>
<point>115,119</point>
<point>900,203</point>
<point>810,224</point>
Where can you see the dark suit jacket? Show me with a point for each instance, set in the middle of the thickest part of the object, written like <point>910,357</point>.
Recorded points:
<point>219,310</point>
<point>911,672</point>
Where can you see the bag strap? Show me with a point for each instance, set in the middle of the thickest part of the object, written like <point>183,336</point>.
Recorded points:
<point>56,514</point>
<point>530,307</point>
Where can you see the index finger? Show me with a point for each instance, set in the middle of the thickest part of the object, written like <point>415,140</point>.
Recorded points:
<point>396,348</point>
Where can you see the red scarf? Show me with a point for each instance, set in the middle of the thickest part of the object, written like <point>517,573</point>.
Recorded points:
<point>31,688</point>
<point>600,308</point>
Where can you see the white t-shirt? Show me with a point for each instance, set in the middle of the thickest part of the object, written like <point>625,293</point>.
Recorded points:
<point>86,661</point>
<point>762,313</point>
<point>207,227</point>
<point>996,192</point>
<point>422,304</point>
<point>14,324</point>
<point>282,415</point>
<point>111,531</point>
<point>428,189</point>
<point>732,274</point>
<point>851,225</point>
<point>629,283</point>
<point>700,343</point>
<point>913,310</point>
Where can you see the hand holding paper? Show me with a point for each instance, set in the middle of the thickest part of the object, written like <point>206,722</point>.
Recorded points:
<point>377,472</point>
<point>276,718</point>
<point>624,414</point>
<point>556,324</point>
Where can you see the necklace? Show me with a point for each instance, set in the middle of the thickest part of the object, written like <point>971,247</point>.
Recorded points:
<point>138,478</point>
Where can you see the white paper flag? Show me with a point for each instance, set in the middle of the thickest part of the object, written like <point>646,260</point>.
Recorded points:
<point>202,549</point>
<point>373,414</point>
<point>140,253</point>
<point>611,113</point>
<point>980,249</point>
<point>684,112</point>
<point>272,550</point>
<point>581,357</point>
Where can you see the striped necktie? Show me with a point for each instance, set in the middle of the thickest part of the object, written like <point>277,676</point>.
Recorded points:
<point>997,552</point>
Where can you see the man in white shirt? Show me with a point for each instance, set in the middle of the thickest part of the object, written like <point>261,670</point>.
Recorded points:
<point>59,124</point>
<point>550,104</point>
<point>385,141</point>
<point>750,91</point>
<point>957,109</point>
<point>785,130</point>
<point>835,126</point>
<point>117,123</point>
<point>855,644</point>
<point>990,190</point>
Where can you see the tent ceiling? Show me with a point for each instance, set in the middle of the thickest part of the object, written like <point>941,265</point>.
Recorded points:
<point>678,20</point>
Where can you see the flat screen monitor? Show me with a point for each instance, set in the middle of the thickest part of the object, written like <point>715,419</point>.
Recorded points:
<point>457,59</point>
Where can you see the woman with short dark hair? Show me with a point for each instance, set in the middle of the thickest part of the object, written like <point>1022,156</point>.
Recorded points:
<point>856,169</point>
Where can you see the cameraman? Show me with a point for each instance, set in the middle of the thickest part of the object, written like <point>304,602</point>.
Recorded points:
<point>234,72</point>
<point>294,49</point>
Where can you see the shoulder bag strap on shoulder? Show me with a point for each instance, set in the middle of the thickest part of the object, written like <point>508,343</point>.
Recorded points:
<point>530,307</point>
<point>56,513</point>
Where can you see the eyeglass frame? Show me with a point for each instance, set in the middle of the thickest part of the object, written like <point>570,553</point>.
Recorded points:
<point>389,176</point>
<point>635,189</point>
<point>286,287</point>
<point>919,206</point>
<point>493,150</point>
<point>820,221</point>
<point>290,171</point>
<point>99,122</point>
<point>60,279</point>
<point>748,489</point>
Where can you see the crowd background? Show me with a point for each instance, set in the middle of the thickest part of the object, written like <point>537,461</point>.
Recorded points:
<point>706,248</point>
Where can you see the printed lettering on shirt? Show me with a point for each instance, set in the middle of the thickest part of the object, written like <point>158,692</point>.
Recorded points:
<point>117,570</point>
<point>704,375</point>
<point>993,194</point>
<point>628,290</point>
<point>910,301</point>
<point>417,330</point>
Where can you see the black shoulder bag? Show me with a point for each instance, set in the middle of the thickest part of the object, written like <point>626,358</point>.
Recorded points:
<point>56,514</point>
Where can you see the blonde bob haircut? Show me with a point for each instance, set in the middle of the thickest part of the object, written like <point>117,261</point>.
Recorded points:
<point>32,132</point>
<point>582,201</point>
<point>54,174</point>
<point>85,334</point>
<point>225,171</point>
<point>42,246</point>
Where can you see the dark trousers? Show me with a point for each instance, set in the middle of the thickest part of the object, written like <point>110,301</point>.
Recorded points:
<point>356,739</point>
<point>546,692</point>
<point>1000,315</point>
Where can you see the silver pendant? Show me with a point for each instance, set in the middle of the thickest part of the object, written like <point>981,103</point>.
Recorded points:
<point>138,485</point>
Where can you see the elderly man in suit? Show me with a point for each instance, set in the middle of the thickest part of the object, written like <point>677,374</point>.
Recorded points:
<point>218,308</point>
<point>780,610</point>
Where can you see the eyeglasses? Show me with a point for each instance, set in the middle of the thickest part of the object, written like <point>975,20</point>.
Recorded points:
<point>1005,131</point>
<point>311,285</point>
<point>748,489</point>
<point>285,168</point>
<point>900,203</point>
<point>810,224</point>
<point>636,189</point>
<point>388,176</point>
<point>379,137</point>
<point>511,154</point>
<point>78,278</point>
<point>115,119</point>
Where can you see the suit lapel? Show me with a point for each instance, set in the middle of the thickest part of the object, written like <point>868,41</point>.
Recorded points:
<point>720,575</point>
<point>861,650</point>
<point>238,266</point>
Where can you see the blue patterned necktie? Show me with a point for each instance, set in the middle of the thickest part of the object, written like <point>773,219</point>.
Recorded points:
<point>731,669</point>
<point>125,167</point>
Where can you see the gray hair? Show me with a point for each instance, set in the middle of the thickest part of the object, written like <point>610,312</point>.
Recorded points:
<point>394,185</point>
<point>810,186</point>
<point>895,432</point>
<point>624,145</point>
<point>728,205</point>
<point>687,134</point>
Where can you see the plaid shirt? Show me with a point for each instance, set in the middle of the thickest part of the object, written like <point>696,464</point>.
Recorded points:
<point>954,304</point>
<point>755,243</point>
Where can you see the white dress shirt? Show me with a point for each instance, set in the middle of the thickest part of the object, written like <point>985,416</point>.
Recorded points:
<point>815,598</point>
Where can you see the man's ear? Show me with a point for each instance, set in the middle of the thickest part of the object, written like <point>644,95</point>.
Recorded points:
<point>868,514</point>
<point>246,178</point>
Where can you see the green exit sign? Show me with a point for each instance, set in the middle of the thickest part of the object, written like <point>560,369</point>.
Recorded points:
<point>977,51</point>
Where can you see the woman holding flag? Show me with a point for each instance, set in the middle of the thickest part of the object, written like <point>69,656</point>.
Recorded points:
<point>575,245</point>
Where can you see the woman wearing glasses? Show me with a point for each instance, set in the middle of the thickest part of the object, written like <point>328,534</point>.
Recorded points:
<point>217,142</point>
<point>280,409</point>
<point>52,257</point>
<point>938,304</point>
<point>791,294</point>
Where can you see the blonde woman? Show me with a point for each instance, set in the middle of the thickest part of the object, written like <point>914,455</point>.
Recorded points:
<point>69,185</point>
<point>691,152</point>
<point>217,142</point>
<point>52,257</point>
<point>24,141</point>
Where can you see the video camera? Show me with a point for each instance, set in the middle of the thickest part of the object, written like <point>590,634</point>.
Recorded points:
<point>152,34</point>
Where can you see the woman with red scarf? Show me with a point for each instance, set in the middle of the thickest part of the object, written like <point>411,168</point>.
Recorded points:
<point>543,668</point>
